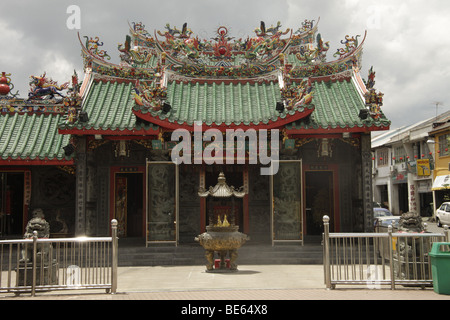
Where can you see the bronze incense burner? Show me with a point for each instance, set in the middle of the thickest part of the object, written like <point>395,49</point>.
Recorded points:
<point>222,235</point>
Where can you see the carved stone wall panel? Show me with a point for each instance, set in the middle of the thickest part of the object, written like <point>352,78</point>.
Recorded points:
<point>54,192</point>
<point>189,223</point>
<point>259,221</point>
<point>345,200</point>
<point>189,212</point>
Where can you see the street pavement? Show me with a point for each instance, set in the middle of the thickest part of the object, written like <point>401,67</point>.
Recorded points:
<point>249,283</point>
<point>191,285</point>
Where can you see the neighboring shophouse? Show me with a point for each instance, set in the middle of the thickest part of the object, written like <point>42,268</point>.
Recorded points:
<point>440,137</point>
<point>405,165</point>
<point>105,151</point>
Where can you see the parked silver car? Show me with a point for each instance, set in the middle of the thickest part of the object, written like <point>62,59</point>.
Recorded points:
<point>382,223</point>
<point>381,212</point>
<point>443,214</point>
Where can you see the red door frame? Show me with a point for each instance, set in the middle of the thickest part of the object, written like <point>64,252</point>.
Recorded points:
<point>334,168</point>
<point>112,186</point>
<point>26,172</point>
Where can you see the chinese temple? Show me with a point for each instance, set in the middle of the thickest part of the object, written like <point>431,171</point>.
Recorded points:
<point>103,147</point>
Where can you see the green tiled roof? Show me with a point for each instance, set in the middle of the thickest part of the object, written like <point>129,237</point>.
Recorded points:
<point>109,107</point>
<point>222,103</point>
<point>32,137</point>
<point>337,106</point>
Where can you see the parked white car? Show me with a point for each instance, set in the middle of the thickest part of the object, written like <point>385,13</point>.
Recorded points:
<point>443,214</point>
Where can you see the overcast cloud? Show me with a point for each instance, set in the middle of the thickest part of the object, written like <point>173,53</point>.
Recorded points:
<point>407,41</point>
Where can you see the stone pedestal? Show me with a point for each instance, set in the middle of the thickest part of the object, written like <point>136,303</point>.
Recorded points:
<point>46,274</point>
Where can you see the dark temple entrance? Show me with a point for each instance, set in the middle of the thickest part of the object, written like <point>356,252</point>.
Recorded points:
<point>319,201</point>
<point>129,203</point>
<point>11,203</point>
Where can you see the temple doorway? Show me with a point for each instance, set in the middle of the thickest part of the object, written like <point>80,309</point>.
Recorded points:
<point>129,203</point>
<point>12,203</point>
<point>319,200</point>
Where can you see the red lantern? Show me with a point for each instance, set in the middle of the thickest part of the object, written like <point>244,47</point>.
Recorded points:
<point>4,85</point>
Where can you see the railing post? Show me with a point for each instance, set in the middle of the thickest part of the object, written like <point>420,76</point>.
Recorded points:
<point>391,257</point>
<point>326,250</point>
<point>115,247</point>
<point>33,283</point>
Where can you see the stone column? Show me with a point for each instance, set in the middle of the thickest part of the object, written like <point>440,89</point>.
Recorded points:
<point>81,174</point>
<point>91,196</point>
<point>366,164</point>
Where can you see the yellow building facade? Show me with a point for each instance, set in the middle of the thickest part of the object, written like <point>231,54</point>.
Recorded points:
<point>441,173</point>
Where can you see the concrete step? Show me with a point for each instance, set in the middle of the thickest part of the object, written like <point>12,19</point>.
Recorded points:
<point>136,254</point>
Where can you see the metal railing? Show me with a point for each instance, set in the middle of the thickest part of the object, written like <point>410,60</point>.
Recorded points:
<point>376,259</point>
<point>30,265</point>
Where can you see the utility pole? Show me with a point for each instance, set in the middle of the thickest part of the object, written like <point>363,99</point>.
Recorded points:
<point>437,103</point>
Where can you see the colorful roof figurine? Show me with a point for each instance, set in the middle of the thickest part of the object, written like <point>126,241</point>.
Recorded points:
<point>29,127</point>
<point>277,78</point>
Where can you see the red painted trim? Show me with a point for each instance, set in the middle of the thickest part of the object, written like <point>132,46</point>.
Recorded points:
<point>29,162</point>
<point>223,127</point>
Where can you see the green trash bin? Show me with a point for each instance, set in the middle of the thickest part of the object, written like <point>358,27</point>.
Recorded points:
<point>440,267</point>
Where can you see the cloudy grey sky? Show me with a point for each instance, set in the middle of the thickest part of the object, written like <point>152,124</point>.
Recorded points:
<point>407,41</point>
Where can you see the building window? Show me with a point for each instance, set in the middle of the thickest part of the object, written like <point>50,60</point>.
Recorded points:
<point>383,157</point>
<point>400,154</point>
<point>443,145</point>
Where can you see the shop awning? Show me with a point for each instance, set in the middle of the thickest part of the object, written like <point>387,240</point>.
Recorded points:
<point>441,182</point>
